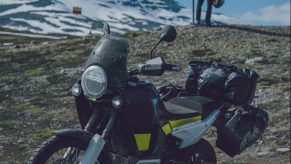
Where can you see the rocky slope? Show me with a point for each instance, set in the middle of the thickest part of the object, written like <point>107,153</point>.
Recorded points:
<point>36,77</point>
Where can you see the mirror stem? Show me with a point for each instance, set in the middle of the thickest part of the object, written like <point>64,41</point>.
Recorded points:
<point>155,47</point>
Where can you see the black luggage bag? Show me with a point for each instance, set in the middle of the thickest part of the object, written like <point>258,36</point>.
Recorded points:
<point>221,82</point>
<point>240,86</point>
<point>244,128</point>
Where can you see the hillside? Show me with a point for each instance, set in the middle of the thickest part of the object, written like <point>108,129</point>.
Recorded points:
<point>56,17</point>
<point>36,77</point>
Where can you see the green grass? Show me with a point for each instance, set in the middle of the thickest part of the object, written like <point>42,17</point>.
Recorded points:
<point>271,80</point>
<point>27,108</point>
<point>34,110</point>
<point>21,106</point>
<point>73,59</point>
<point>41,134</point>
<point>253,52</point>
<point>22,146</point>
<point>33,73</point>
<point>8,78</point>
<point>8,123</point>
<point>131,34</point>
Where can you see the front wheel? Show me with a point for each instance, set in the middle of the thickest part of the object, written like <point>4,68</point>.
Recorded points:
<point>59,150</point>
<point>201,152</point>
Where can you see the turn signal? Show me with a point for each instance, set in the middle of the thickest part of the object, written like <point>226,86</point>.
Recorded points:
<point>76,90</point>
<point>116,102</point>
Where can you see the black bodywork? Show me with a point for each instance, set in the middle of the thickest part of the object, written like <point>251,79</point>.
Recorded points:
<point>142,112</point>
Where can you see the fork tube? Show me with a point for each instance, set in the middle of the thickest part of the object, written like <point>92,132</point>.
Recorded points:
<point>91,122</point>
<point>109,125</point>
<point>97,143</point>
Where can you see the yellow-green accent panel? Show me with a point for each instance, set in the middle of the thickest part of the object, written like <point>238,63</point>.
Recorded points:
<point>167,129</point>
<point>142,141</point>
<point>176,123</point>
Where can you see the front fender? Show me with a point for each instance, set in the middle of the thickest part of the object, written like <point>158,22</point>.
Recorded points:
<point>75,133</point>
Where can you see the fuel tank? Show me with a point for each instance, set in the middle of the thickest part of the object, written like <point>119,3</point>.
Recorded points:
<point>140,116</point>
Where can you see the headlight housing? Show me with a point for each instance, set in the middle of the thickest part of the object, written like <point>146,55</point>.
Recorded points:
<point>94,82</point>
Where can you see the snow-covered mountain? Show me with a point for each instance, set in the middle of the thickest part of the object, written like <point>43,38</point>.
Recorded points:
<point>56,17</point>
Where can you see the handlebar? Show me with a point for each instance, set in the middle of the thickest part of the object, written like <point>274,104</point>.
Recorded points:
<point>153,69</point>
<point>172,67</point>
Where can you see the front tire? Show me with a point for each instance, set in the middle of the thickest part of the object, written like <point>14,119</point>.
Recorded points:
<point>52,146</point>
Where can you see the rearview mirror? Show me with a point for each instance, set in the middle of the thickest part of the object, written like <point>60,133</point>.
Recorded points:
<point>168,34</point>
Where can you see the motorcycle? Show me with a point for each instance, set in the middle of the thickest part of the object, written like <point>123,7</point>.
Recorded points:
<point>126,120</point>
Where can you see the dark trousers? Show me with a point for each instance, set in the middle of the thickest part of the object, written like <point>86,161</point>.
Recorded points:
<point>208,12</point>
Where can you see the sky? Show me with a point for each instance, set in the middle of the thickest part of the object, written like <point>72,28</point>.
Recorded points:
<point>258,12</point>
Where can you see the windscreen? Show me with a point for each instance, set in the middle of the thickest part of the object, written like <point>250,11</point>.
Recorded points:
<point>111,54</point>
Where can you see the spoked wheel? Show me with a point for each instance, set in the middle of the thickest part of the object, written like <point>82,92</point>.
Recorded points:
<point>59,150</point>
<point>201,152</point>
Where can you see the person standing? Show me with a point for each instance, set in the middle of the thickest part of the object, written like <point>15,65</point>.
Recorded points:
<point>208,12</point>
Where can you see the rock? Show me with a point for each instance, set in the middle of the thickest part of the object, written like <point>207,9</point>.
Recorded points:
<point>7,88</point>
<point>45,43</point>
<point>3,139</point>
<point>39,80</point>
<point>17,46</point>
<point>20,140</point>
<point>255,60</point>
<point>273,130</point>
<point>28,115</point>
<point>5,59</point>
<point>33,42</point>
<point>283,149</point>
<point>62,71</point>
<point>263,153</point>
<point>8,44</point>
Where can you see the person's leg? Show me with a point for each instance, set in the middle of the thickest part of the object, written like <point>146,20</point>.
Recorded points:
<point>198,11</point>
<point>209,11</point>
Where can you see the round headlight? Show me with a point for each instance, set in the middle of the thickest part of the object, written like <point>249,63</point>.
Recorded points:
<point>94,82</point>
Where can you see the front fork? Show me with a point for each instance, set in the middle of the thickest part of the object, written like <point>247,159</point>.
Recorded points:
<point>97,143</point>
<point>72,153</point>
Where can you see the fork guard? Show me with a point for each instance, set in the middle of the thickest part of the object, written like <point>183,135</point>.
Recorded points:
<point>75,133</point>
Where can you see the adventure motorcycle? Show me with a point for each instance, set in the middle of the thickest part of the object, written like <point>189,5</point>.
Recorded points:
<point>126,120</point>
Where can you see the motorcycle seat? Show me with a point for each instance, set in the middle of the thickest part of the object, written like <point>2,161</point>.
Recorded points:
<point>189,106</point>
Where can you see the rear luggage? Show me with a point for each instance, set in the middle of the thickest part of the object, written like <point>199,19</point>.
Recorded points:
<point>240,87</point>
<point>221,82</point>
<point>242,130</point>
<point>211,83</point>
<point>193,72</point>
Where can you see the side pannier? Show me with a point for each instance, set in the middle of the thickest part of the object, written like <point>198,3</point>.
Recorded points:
<point>242,130</point>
